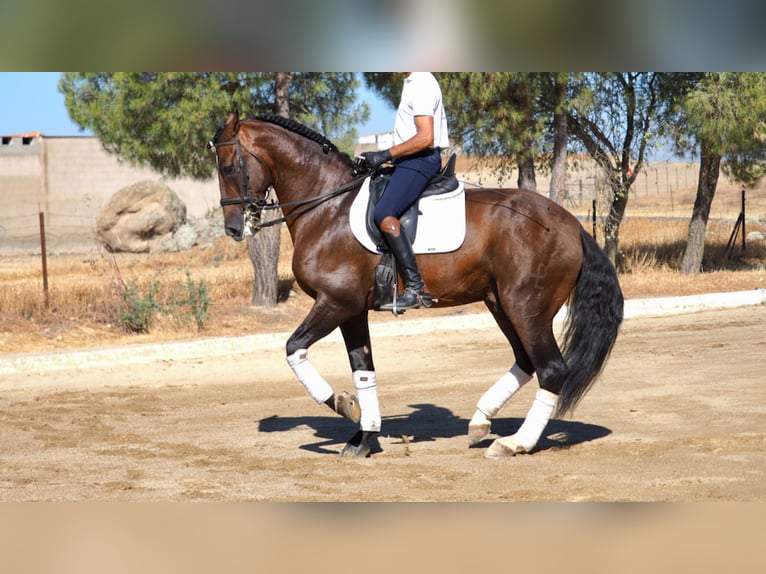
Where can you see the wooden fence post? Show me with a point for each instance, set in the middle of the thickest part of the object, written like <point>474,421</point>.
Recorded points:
<point>743,221</point>
<point>594,219</point>
<point>43,251</point>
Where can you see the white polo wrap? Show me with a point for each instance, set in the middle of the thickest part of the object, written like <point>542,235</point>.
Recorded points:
<point>318,388</point>
<point>537,418</point>
<point>367,393</point>
<point>501,392</point>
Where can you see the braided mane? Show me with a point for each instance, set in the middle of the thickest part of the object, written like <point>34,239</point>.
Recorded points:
<point>300,129</point>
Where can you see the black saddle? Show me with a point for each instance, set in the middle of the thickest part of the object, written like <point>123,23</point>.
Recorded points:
<point>443,182</point>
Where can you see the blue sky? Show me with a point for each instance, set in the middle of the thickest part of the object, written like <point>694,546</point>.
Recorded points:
<point>31,102</point>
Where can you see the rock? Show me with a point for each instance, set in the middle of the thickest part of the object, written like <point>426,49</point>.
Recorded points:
<point>755,236</point>
<point>184,238</point>
<point>138,214</point>
<point>208,228</point>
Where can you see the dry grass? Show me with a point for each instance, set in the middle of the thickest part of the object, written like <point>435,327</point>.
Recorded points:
<point>85,290</point>
<point>650,244</point>
<point>85,296</point>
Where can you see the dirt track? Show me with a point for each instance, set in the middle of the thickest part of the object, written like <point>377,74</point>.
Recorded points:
<point>679,414</point>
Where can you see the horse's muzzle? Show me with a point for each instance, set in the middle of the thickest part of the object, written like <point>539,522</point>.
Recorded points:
<point>234,226</point>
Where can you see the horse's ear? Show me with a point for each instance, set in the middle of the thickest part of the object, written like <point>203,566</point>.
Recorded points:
<point>233,122</point>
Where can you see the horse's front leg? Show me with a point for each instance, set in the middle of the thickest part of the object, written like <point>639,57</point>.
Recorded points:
<point>356,334</point>
<point>320,322</point>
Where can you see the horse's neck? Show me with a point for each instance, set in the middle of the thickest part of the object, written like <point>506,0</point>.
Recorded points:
<point>307,180</point>
<point>300,182</point>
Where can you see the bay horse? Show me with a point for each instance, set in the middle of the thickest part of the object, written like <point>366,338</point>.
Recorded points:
<point>524,256</point>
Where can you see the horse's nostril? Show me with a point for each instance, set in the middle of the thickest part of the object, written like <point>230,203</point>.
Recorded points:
<point>234,232</point>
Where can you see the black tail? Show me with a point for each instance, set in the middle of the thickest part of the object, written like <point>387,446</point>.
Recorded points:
<point>593,319</point>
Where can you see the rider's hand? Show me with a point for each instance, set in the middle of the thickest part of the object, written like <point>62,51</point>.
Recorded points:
<point>374,159</point>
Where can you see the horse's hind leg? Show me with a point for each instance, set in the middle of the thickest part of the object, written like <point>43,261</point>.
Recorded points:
<point>493,400</point>
<point>545,354</point>
<point>506,386</point>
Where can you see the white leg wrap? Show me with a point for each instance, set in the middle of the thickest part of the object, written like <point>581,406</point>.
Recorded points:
<point>318,388</point>
<point>367,393</point>
<point>537,418</point>
<point>501,392</point>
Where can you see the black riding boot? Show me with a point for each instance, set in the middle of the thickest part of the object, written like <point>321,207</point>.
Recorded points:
<point>413,295</point>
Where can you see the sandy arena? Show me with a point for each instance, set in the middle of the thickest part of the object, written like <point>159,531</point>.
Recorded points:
<point>678,415</point>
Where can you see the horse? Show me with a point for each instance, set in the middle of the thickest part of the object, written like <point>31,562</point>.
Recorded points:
<point>523,255</point>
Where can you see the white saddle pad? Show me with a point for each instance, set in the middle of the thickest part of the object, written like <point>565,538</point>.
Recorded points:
<point>441,223</point>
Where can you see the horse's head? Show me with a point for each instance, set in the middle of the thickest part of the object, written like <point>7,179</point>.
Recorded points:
<point>244,177</point>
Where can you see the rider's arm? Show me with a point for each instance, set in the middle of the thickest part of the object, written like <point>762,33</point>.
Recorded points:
<point>421,140</point>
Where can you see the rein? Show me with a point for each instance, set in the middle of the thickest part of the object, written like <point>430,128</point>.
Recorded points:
<point>310,203</point>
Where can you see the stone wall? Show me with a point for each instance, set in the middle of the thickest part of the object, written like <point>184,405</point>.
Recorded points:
<point>71,179</point>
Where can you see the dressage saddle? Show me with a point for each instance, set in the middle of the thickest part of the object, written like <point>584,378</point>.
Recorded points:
<point>443,182</point>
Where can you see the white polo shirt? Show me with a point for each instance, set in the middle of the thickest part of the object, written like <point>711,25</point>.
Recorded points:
<point>421,96</point>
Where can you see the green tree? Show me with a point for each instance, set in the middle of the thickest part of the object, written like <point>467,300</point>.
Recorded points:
<point>724,117</point>
<point>496,115</point>
<point>616,117</point>
<point>163,121</point>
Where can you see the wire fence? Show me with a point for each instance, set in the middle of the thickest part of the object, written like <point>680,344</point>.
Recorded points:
<point>64,233</point>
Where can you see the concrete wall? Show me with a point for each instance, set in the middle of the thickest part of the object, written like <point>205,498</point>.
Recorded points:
<point>71,179</point>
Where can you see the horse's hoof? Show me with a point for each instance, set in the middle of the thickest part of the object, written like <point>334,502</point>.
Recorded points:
<point>477,433</point>
<point>347,405</point>
<point>503,448</point>
<point>358,446</point>
<point>355,451</point>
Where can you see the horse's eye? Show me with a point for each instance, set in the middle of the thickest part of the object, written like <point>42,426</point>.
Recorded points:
<point>227,169</point>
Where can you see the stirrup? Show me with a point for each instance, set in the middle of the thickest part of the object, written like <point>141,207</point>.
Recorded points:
<point>410,299</point>
<point>424,299</point>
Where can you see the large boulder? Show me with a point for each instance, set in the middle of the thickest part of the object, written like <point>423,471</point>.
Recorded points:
<point>138,214</point>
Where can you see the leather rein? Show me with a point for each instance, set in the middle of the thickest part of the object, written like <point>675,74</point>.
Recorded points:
<point>253,206</point>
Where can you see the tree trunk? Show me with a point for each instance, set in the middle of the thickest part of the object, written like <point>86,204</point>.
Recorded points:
<point>558,187</point>
<point>526,158</point>
<point>282,93</point>
<point>527,173</point>
<point>613,221</point>
<point>263,247</point>
<point>710,166</point>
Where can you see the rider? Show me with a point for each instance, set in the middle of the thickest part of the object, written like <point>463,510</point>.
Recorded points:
<point>420,133</point>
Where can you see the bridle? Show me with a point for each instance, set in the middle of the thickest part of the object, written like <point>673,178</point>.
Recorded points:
<point>244,199</point>
<point>252,207</point>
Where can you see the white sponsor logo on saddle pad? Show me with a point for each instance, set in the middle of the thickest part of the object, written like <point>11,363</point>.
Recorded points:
<point>441,223</point>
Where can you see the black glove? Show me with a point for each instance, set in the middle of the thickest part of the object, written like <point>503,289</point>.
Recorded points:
<point>374,159</point>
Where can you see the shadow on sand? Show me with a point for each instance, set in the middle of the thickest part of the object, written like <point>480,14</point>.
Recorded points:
<point>428,422</point>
